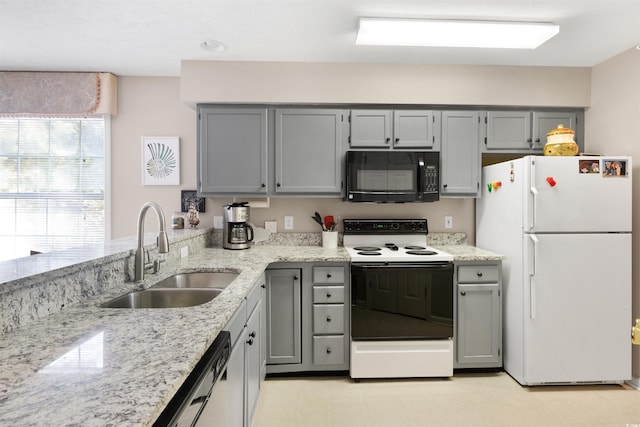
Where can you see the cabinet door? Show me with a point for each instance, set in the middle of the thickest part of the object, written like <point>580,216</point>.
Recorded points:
<point>252,362</point>
<point>479,333</point>
<point>308,151</point>
<point>371,128</point>
<point>414,129</point>
<point>509,130</point>
<point>283,316</point>
<point>232,150</point>
<point>544,122</point>
<point>460,174</point>
<point>235,411</point>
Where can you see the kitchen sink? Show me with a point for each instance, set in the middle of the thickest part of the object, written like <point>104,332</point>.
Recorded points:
<point>163,298</point>
<point>205,279</point>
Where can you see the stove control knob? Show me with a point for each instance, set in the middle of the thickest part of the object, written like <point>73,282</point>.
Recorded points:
<point>395,226</point>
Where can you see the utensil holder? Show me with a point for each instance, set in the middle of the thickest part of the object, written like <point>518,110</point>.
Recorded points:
<point>329,239</point>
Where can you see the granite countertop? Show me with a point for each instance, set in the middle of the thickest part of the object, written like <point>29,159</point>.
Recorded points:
<point>93,366</point>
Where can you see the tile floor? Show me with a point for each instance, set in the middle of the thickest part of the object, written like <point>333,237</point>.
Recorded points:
<point>469,399</point>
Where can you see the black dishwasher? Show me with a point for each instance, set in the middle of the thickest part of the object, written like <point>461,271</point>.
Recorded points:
<point>198,390</point>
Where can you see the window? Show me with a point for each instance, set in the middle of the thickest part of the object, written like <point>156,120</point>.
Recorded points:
<point>52,184</point>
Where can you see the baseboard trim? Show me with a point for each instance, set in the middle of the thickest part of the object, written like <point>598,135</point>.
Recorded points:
<point>634,382</point>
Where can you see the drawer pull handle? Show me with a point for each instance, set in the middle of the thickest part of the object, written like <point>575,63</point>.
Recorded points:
<point>328,275</point>
<point>250,341</point>
<point>328,350</point>
<point>328,294</point>
<point>252,334</point>
<point>328,318</point>
<point>479,273</point>
<point>463,293</point>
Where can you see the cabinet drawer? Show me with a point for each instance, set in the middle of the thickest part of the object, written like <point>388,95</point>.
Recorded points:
<point>328,294</point>
<point>237,322</point>
<point>334,274</point>
<point>478,274</point>
<point>328,319</point>
<point>328,350</point>
<point>253,298</point>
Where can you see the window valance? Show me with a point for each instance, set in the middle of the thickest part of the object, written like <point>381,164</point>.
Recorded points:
<point>67,94</point>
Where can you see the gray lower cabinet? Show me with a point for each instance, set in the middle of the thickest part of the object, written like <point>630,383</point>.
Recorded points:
<point>323,319</point>
<point>246,365</point>
<point>478,332</point>
<point>232,150</point>
<point>416,129</point>
<point>308,150</point>
<point>526,131</point>
<point>283,316</point>
<point>460,156</point>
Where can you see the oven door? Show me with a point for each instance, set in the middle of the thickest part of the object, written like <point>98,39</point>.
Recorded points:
<point>401,301</point>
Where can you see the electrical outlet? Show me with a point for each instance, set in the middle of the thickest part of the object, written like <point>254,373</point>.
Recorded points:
<point>448,221</point>
<point>271,226</point>
<point>184,251</point>
<point>217,222</point>
<point>288,222</point>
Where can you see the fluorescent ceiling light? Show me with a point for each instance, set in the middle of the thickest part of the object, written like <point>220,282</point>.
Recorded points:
<point>427,32</point>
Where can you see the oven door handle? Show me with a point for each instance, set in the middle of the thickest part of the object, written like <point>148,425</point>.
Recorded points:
<point>434,264</point>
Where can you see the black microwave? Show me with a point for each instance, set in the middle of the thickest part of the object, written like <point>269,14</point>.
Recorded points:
<point>393,176</point>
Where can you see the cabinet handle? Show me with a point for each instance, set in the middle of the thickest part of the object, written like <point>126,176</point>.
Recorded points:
<point>397,139</point>
<point>328,275</point>
<point>263,185</point>
<point>444,185</point>
<point>537,140</point>
<point>250,341</point>
<point>328,294</point>
<point>252,334</point>
<point>463,293</point>
<point>328,350</point>
<point>263,286</point>
<point>278,185</point>
<point>295,277</point>
<point>387,140</point>
<point>328,318</point>
<point>479,273</point>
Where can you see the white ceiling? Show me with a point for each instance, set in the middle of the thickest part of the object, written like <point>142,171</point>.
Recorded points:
<point>151,37</point>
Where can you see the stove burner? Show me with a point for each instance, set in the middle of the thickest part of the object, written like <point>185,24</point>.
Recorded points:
<point>366,248</point>
<point>369,253</point>
<point>422,252</point>
<point>415,248</point>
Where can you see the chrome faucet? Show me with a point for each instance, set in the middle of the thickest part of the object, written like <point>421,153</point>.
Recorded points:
<point>162,241</point>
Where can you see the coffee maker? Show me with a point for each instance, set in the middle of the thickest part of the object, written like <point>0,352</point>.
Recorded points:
<point>236,231</point>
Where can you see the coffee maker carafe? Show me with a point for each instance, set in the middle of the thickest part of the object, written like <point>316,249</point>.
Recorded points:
<point>237,233</point>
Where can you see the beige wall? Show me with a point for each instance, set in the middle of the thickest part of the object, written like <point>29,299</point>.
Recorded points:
<point>612,129</point>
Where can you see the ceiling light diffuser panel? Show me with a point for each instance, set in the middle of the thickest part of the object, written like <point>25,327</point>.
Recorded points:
<point>455,33</point>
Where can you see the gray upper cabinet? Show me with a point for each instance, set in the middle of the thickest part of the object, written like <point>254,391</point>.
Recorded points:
<point>416,129</point>
<point>232,148</point>
<point>308,150</point>
<point>525,131</point>
<point>460,157</point>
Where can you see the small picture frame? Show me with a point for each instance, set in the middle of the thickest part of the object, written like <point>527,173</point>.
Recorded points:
<point>612,167</point>
<point>189,196</point>
<point>160,160</point>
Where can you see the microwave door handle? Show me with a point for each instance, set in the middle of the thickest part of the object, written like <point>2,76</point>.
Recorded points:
<point>421,178</point>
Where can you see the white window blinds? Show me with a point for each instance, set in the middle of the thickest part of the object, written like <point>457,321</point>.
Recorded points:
<point>52,184</point>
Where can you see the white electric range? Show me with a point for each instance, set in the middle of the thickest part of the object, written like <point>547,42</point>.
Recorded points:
<point>401,300</point>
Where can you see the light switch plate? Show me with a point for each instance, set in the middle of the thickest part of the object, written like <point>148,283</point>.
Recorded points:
<point>448,221</point>
<point>271,226</point>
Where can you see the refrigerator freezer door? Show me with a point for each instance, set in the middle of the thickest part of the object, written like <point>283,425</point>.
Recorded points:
<point>577,308</point>
<point>563,198</point>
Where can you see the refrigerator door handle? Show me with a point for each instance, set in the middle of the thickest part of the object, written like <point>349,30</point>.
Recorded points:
<point>532,279</point>
<point>534,193</point>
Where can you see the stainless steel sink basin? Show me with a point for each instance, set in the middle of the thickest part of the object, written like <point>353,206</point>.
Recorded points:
<point>207,279</point>
<point>163,298</point>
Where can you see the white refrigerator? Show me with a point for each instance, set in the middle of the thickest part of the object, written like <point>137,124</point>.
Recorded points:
<point>564,226</point>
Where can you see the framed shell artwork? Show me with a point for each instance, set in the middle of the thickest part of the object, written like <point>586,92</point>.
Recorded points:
<point>160,160</point>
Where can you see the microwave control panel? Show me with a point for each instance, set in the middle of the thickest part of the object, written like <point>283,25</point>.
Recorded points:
<point>431,184</point>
